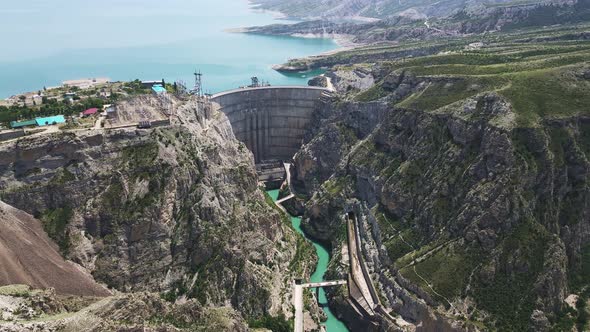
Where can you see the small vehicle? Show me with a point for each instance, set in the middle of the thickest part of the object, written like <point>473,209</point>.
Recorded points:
<point>144,125</point>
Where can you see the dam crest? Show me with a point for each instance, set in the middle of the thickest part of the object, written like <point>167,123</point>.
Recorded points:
<point>271,120</point>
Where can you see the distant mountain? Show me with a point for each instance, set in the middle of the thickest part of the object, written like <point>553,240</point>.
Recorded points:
<point>422,23</point>
<point>380,9</point>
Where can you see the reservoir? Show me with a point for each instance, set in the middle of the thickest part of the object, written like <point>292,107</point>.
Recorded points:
<point>332,324</point>
<point>47,42</point>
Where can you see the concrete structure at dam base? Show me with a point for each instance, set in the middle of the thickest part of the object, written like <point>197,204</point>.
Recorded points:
<point>272,120</point>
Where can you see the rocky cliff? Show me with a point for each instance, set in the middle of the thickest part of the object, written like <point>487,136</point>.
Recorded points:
<point>175,210</point>
<point>473,207</point>
<point>488,221</point>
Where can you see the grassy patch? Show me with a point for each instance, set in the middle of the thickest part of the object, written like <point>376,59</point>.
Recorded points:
<point>374,93</point>
<point>544,93</point>
<point>15,290</point>
<point>441,93</point>
<point>447,271</point>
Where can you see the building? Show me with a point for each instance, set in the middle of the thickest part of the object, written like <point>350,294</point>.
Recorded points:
<point>69,96</point>
<point>89,112</point>
<point>22,124</point>
<point>158,89</point>
<point>110,112</point>
<point>50,120</point>
<point>149,84</point>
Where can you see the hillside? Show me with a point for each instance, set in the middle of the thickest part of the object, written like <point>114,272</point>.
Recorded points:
<point>28,256</point>
<point>465,21</point>
<point>467,162</point>
<point>383,9</point>
<point>175,210</point>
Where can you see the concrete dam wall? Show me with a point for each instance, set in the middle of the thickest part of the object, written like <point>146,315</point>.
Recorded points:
<point>271,121</point>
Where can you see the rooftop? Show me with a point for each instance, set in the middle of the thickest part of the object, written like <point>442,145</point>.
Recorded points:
<point>50,120</point>
<point>20,124</point>
<point>158,88</point>
<point>90,111</point>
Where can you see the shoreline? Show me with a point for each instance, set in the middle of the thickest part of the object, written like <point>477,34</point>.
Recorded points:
<point>343,41</point>
<point>256,7</point>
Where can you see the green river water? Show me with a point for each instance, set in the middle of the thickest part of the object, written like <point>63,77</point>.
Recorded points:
<point>332,324</point>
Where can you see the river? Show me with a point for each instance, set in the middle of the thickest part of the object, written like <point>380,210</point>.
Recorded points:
<point>332,324</point>
<point>47,42</point>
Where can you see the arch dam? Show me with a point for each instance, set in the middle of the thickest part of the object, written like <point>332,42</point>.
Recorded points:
<point>271,121</point>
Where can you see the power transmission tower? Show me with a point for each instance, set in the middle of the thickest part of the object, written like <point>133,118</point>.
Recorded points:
<point>198,90</point>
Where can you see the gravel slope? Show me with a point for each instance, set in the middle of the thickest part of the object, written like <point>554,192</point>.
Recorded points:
<point>28,256</point>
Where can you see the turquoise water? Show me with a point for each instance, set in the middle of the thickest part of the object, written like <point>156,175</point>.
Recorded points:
<point>47,42</point>
<point>332,324</point>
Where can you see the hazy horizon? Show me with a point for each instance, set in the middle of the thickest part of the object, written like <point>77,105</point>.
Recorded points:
<point>141,39</point>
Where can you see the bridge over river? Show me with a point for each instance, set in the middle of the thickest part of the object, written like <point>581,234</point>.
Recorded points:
<point>272,122</point>
<point>362,295</point>
<point>361,292</point>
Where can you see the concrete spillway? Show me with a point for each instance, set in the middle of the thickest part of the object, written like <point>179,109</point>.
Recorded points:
<point>271,121</point>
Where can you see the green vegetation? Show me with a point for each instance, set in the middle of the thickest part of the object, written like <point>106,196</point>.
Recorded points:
<point>304,254</point>
<point>371,94</point>
<point>55,223</point>
<point>347,134</point>
<point>135,88</point>
<point>63,177</point>
<point>209,319</point>
<point>447,270</point>
<point>542,72</point>
<point>583,314</point>
<point>56,102</point>
<point>539,82</point>
<point>509,294</point>
<point>15,290</point>
<point>376,158</point>
<point>336,185</point>
<point>49,107</point>
<point>177,289</point>
<point>141,155</point>
<point>275,324</point>
<point>580,272</point>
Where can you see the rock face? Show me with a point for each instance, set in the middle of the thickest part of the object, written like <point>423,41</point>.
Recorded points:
<point>28,256</point>
<point>175,209</point>
<point>465,217</point>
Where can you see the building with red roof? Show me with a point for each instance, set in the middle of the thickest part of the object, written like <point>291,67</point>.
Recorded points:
<point>90,111</point>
